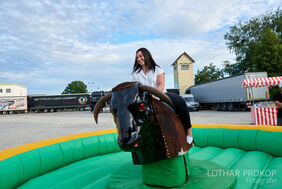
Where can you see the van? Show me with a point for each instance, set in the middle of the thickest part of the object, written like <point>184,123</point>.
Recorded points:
<point>191,102</point>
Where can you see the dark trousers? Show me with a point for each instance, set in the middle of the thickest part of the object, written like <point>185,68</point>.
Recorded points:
<point>180,109</point>
<point>279,121</point>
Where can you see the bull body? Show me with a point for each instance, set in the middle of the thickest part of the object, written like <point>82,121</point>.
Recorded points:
<point>147,127</point>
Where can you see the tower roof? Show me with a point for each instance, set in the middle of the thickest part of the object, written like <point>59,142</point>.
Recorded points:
<point>184,53</point>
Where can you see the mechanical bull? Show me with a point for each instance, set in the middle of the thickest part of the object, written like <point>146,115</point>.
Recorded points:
<point>146,126</point>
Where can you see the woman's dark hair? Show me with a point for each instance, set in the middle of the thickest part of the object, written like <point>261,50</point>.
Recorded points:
<point>149,61</point>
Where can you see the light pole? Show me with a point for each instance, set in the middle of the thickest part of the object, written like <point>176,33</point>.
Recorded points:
<point>91,83</point>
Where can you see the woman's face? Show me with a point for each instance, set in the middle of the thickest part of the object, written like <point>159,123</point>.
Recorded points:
<point>140,58</point>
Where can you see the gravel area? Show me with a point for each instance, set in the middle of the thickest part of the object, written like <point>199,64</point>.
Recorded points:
<point>20,129</point>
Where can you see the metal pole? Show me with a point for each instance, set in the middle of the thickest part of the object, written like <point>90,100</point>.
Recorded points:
<point>92,82</point>
<point>252,96</point>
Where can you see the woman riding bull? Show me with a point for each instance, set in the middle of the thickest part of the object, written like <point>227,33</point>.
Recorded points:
<point>147,72</point>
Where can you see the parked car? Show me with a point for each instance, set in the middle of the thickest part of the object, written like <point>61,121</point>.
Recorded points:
<point>192,103</point>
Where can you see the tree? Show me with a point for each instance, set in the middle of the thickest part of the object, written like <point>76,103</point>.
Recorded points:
<point>231,69</point>
<point>252,42</point>
<point>75,87</point>
<point>208,73</point>
<point>267,54</point>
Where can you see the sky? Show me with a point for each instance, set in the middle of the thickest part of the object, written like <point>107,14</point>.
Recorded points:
<point>45,45</point>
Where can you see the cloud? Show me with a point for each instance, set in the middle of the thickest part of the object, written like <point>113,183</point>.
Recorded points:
<point>44,45</point>
<point>180,18</point>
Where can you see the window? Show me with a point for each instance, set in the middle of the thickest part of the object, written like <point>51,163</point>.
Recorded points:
<point>1,91</point>
<point>184,66</point>
<point>8,90</point>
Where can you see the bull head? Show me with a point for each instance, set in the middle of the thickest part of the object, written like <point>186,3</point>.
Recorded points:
<point>129,104</point>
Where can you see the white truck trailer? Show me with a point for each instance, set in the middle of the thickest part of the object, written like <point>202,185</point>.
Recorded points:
<point>13,104</point>
<point>227,94</point>
<point>13,99</point>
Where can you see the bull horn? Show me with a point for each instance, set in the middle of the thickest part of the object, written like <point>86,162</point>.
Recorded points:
<point>100,104</point>
<point>157,93</point>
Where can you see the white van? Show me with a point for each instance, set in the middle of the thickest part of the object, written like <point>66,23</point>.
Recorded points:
<point>192,103</point>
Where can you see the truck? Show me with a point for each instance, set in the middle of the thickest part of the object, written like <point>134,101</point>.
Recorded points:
<point>52,103</point>
<point>95,96</point>
<point>13,104</point>
<point>227,94</point>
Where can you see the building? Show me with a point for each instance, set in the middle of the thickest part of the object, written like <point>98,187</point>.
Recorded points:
<point>12,90</point>
<point>183,71</point>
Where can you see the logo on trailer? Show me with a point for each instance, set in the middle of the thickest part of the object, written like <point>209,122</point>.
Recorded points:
<point>82,100</point>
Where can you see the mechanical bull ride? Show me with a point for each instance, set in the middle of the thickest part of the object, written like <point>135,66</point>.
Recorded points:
<point>149,129</point>
<point>224,155</point>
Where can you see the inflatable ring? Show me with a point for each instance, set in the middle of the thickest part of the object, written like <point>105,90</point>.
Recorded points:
<point>251,154</point>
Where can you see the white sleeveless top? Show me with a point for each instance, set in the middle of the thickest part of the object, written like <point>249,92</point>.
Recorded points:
<point>150,78</point>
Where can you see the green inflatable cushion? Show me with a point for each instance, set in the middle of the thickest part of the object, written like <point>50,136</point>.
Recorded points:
<point>204,174</point>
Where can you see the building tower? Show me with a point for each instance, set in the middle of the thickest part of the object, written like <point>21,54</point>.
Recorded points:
<point>183,72</point>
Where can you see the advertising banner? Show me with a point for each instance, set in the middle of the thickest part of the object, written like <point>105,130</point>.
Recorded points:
<point>13,103</point>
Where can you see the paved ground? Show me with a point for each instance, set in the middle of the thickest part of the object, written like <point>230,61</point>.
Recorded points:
<point>25,128</point>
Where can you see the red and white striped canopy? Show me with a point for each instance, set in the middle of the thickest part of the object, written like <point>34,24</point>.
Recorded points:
<point>262,82</point>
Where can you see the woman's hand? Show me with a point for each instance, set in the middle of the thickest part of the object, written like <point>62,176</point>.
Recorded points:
<point>278,104</point>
